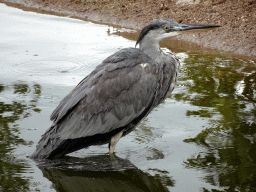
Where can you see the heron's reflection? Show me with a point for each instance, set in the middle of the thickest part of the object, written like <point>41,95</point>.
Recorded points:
<point>98,173</point>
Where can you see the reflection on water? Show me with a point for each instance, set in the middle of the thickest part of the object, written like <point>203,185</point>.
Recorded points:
<point>225,91</point>
<point>12,109</point>
<point>99,173</point>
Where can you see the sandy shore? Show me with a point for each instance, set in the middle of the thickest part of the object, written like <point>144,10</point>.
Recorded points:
<point>237,17</point>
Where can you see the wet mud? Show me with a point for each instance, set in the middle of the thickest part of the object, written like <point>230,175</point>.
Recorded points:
<point>237,18</point>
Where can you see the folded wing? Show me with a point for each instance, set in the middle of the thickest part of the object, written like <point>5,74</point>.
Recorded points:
<point>112,96</point>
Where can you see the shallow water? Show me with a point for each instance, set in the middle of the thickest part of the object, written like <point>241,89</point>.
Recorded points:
<point>202,138</point>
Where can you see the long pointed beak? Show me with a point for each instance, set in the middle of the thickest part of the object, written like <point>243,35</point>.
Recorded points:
<point>186,27</point>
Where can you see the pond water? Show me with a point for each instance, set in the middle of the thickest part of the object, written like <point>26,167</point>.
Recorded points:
<point>202,138</point>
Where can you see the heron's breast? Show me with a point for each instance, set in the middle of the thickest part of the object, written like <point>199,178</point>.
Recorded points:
<point>173,81</point>
<point>175,72</point>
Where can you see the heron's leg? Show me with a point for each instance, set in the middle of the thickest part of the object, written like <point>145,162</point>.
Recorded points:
<point>113,141</point>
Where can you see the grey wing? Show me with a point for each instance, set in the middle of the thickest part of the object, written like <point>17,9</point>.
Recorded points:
<point>121,59</point>
<point>117,92</point>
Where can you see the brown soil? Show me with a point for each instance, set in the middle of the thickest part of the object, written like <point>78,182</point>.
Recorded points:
<point>237,17</point>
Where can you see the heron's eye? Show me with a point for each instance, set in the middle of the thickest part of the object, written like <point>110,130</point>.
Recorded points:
<point>166,28</point>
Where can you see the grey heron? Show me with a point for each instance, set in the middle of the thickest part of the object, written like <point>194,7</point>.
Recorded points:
<point>114,98</point>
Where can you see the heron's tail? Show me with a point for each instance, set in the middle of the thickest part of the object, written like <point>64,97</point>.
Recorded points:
<point>47,144</point>
<point>51,146</point>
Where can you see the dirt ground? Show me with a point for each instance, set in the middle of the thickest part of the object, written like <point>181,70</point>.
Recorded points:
<point>237,17</point>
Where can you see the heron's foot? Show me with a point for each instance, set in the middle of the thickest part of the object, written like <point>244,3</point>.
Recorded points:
<point>113,154</point>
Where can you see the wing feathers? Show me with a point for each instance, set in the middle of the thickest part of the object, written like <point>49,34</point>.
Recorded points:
<point>111,97</point>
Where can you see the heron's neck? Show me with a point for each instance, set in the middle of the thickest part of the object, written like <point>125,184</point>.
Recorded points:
<point>151,48</point>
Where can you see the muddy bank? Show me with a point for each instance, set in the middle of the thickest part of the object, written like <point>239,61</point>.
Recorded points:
<point>237,17</point>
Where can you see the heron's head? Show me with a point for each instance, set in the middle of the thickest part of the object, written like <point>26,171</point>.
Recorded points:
<point>160,29</point>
